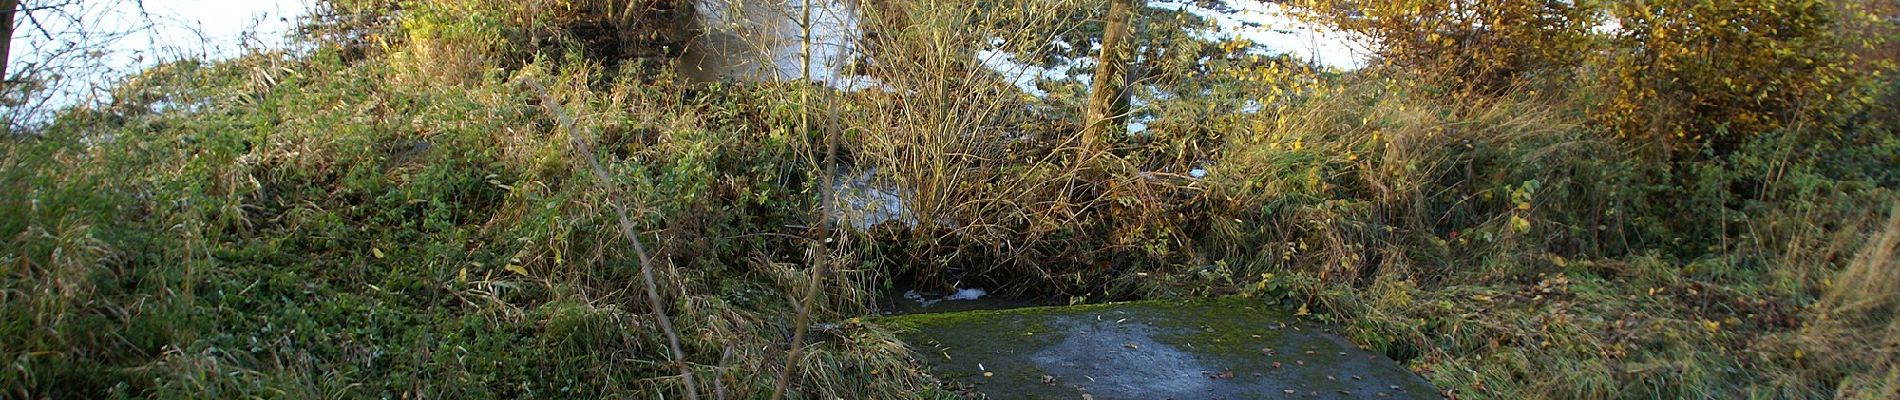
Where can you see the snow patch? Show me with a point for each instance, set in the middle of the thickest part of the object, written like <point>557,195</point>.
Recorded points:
<point>1025,75</point>
<point>967,294</point>
<point>1277,29</point>
<point>926,300</point>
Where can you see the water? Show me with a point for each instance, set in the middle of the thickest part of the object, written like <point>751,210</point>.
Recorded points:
<point>864,201</point>
<point>1207,349</point>
<point>915,301</point>
<point>80,50</point>
<point>761,40</point>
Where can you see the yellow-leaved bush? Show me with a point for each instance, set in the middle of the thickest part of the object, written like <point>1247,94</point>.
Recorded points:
<point>1481,46</point>
<point>1707,75</point>
<point>1685,77</point>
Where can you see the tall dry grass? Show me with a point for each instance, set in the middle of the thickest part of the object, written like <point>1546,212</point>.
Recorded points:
<point>1853,329</point>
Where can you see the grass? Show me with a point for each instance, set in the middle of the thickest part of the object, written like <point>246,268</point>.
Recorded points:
<point>390,216</point>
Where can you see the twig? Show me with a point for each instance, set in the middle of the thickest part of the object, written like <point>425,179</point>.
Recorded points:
<point>602,180</point>
<point>719,376</point>
<point>820,254</point>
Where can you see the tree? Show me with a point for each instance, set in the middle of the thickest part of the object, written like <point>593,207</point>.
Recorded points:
<point>1108,93</point>
<point>7,8</point>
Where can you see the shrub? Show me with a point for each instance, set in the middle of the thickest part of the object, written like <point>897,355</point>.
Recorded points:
<point>1485,46</point>
<point>1691,76</point>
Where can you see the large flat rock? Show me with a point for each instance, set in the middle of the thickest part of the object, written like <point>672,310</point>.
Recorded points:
<point>1204,349</point>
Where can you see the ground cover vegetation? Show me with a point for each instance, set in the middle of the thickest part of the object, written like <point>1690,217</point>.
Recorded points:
<point>1585,199</point>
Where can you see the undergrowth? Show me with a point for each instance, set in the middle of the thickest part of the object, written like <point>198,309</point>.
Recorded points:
<point>391,216</point>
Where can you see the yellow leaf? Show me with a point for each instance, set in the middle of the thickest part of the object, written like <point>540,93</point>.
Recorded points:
<point>1302,311</point>
<point>517,269</point>
<point>375,252</point>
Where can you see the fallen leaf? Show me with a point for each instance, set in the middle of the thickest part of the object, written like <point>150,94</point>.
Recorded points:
<point>375,252</point>
<point>517,269</point>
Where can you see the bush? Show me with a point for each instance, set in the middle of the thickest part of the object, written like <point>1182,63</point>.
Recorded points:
<point>1485,46</point>
<point>1706,76</point>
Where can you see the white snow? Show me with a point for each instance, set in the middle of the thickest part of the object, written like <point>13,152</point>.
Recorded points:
<point>967,294</point>
<point>1026,75</point>
<point>1277,29</point>
<point>1273,29</point>
<point>922,301</point>
<point>925,300</point>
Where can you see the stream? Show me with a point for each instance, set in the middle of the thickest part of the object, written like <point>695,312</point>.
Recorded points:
<point>1229,348</point>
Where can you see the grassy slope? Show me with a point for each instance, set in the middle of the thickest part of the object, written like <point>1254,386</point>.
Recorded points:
<point>394,227</point>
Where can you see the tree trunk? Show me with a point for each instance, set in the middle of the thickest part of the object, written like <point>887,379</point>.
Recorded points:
<point>1108,93</point>
<point>6,27</point>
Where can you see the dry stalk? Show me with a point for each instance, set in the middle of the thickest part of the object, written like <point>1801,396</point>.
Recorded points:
<point>820,254</point>
<point>601,180</point>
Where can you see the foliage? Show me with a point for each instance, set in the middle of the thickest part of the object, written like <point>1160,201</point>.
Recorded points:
<point>1695,76</point>
<point>1486,46</point>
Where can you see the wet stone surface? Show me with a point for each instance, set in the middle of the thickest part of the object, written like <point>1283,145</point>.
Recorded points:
<point>1207,349</point>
